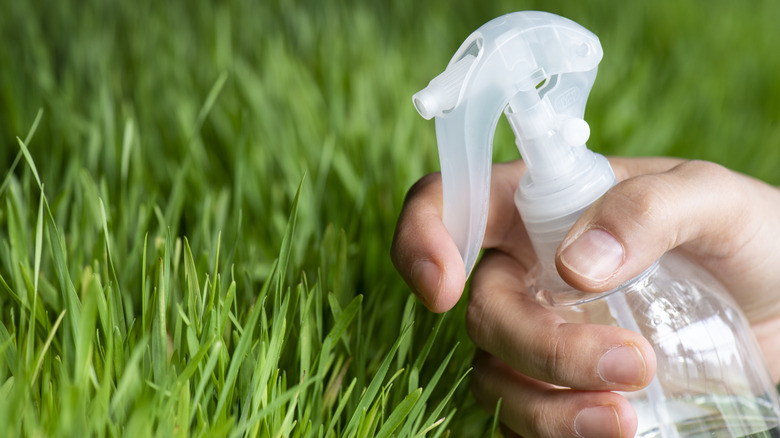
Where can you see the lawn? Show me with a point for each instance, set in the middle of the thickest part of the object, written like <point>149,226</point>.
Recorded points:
<point>198,200</point>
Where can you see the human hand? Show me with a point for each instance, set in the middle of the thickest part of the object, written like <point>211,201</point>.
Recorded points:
<point>556,378</point>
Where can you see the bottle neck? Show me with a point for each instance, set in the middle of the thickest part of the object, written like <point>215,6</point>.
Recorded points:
<point>549,212</point>
<point>550,290</point>
<point>550,209</point>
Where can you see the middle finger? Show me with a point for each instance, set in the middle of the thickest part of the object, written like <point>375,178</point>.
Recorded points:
<point>504,320</point>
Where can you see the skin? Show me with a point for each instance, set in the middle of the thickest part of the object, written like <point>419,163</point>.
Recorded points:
<point>556,378</point>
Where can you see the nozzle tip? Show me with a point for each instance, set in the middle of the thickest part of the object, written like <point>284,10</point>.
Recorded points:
<point>442,92</point>
<point>425,103</point>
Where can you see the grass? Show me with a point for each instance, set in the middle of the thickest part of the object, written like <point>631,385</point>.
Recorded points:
<point>198,201</point>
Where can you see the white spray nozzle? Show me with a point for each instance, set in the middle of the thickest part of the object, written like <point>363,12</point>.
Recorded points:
<point>442,92</point>
<point>537,68</point>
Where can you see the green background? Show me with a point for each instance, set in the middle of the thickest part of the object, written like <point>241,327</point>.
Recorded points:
<point>171,142</point>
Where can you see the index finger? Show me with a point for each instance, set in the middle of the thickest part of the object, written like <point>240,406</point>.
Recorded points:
<point>423,251</point>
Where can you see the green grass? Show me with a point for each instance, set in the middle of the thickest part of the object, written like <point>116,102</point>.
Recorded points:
<point>198,200</point>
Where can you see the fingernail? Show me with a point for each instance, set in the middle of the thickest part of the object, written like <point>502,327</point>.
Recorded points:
<point>601,421</point>
<point>624,365</point>
<point>426,279</point>
<point>595,255</point>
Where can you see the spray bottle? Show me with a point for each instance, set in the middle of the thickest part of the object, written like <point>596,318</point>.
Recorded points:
<point>538,68</point>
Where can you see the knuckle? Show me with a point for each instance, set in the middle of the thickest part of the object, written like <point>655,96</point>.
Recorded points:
<point>544,422</point>
<point>422,185</point>
<point>645,200</point>
<point>714,180</point>
<point>663,207</point>
<point>476,322</point>
<point>707,168</point>
<point>555,360</point>
<point>539,418</point>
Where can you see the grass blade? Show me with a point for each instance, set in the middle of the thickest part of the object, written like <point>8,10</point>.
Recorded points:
<point>18,157</point>
<point>237,359</point>
<point>206,376</point>
<point>159,334</point>
<point>210,100</point>
<point>428,391</point>
<point>443,402</point>
<point>46,345</point>
<point>127,144</point>
<point>373,388</point>
<point>37,274</point>
<point>494,427</point>
<point>30,162</point>
<point>400,413</point>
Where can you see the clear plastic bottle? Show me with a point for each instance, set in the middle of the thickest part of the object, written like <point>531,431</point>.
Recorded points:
<point>710,380</point>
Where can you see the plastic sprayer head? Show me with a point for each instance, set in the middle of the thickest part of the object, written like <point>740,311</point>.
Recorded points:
<point>498,68</point>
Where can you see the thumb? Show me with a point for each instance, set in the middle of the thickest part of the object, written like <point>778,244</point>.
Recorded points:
<point>696,205</point>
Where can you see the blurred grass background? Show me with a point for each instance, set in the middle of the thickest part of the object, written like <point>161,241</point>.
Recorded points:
<point>173,139</point>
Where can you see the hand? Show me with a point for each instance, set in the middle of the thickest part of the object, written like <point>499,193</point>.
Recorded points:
<point>556,378</point>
